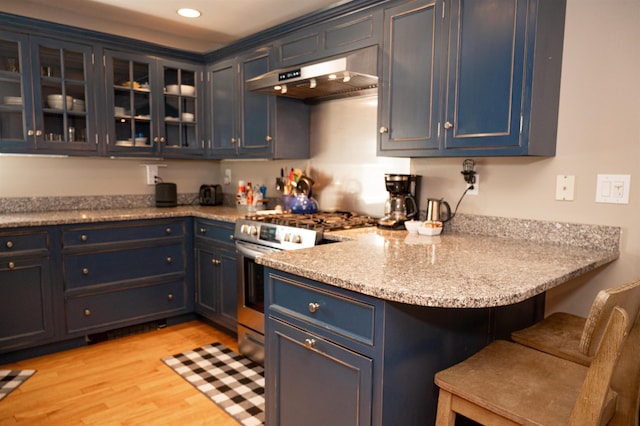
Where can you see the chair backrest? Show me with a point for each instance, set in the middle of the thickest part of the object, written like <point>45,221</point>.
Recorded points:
<point>592,407</point>
<point>627,296</point>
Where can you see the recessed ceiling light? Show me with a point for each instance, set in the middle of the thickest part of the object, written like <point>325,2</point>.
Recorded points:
<point>188,13</point>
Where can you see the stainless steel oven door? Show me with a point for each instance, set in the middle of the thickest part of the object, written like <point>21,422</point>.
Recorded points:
<point>251,300</point>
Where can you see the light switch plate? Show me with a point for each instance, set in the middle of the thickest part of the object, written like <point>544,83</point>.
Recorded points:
<point>565,187</point>
<point>613,189</point>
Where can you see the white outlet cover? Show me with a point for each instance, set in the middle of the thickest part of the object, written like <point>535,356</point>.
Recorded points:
<point>565,187</point>
<point>613,189</point>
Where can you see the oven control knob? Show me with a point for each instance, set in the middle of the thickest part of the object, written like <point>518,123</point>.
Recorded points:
<point>296,239</point>
<point>253,230</point>
<point>287,237</point>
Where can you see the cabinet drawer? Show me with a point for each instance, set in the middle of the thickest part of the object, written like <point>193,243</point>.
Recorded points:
<point>333,312</point>
<point>112,309</point>
<point>100,234</point>
<point>22,241</point>
<point>87,269</point>
<point>220,231</point>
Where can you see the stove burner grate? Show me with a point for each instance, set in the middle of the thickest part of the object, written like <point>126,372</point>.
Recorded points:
<point>325,221</point>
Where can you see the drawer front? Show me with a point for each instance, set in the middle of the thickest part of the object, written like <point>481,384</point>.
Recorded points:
<point>17,241</point>
<point>342,315</point>
<point>107,266</point>
<point>101,234</point>
<point>219,231</point>
<point>113,309</point>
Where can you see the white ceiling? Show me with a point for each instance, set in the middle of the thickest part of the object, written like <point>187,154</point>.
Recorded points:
<point>156,21</point>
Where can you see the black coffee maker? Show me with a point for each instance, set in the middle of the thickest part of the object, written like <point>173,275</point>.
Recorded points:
<point>402,204</point>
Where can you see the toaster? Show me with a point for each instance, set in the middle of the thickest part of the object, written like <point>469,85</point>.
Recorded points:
<point>210,195</point>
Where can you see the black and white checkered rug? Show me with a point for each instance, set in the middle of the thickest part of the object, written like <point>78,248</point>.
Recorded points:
<point>11,379</point>
<point>232,381</point>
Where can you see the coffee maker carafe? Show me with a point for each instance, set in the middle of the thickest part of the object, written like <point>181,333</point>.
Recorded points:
<point>401,205</point>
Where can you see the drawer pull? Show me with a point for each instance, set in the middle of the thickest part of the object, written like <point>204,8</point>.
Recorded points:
<point>309,343</point>
<point>169,259</point>
<point>203,230</point>
<point>313,307</point>
<point>87,312</point>
<point>84,237</point>
<point>215,261</point>
<point>168,231</point>
<point>170,296</point>
<point>9,244</point>
<point>12,265</point>
<point>85,271</point>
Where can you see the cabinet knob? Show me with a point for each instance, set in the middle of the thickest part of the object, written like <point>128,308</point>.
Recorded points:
<point>448,125</point>
<point>83,237</point>
<point>268,138</point>
<point>30,132</point>
<point>163,139</point>
<point>313,307</point>
<point>384,130</point>
<point>309,343</point>
<point>203,230</point>
<point>169,259</point>
<point>168,231</point>
<point>156,139</point>
<point>85,271</point>
<point>12,265</point>
<point>9,244</point>
<point>170,296</point>
<point>234,140</point>
<point>87,312</point>
<point>38,132</point>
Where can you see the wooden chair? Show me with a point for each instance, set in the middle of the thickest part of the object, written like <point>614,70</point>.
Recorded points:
<point>508,383</point>
<point>576,339</point>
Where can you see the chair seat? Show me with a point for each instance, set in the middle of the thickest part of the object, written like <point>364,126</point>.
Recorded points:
<point>559,334</point>
<point>504,375</point>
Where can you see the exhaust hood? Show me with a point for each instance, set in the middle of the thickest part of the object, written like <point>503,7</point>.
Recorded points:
<point>351,74</point>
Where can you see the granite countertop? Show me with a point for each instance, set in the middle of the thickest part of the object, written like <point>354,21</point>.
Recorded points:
<point>478,261</point>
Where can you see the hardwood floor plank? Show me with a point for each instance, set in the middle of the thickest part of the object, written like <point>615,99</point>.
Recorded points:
<point>117,382</point>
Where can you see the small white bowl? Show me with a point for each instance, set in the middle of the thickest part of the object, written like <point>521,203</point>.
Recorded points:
<point>140,141</point>
<point>118,111</point>
<point>412,226</point>
<point>430,228</point>
<point>78,105</point>
<point>187,116</point>
<point>181,89</point>
<point>56,102</point>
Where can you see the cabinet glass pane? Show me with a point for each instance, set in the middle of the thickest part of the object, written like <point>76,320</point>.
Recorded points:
<point>11,104</point>
<point>64,94</point>
<point>180,108</point>
<point>132,103</point>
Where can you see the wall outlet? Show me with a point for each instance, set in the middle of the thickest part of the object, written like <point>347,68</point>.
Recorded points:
<point>613,189</point>
<point>476,185</point>
<point>227,177</point>
<point>565,187</point>
<point>152,173</point>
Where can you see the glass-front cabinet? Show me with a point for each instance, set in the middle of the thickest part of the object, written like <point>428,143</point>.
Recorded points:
<point>155,107</point>
<point>47,95</point>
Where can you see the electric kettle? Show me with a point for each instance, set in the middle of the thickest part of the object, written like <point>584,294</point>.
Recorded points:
<point>438,210</point>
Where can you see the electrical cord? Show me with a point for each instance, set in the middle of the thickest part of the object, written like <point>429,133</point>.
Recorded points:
<point>469,188</point>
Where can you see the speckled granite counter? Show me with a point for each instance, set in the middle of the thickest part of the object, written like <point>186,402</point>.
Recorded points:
<point>454,270</point>
<point>478,262</point>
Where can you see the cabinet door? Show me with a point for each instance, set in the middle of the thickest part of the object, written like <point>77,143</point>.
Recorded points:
<point>25,303</point>
<point>130,101</point>
<point>64,90</point>
<point>17,127</point>
<point>485,74</point>
<point>257,109</point>
<point>410,94</point>
<point>216,287</point>
<point>222,115</point>
<point>229,288</point>
<point>313,381</point>
<point>207,283</point>
<point>181,110</point>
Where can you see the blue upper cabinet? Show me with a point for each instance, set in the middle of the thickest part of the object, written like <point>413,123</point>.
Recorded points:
<point>499,86</point>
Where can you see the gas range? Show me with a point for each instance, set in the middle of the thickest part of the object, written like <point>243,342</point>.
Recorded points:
<point>287,231</point>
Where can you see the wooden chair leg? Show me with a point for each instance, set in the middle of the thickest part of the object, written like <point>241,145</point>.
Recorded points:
<point>446,416</point>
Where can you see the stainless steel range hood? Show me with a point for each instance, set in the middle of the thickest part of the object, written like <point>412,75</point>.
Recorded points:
<point>351,74</point>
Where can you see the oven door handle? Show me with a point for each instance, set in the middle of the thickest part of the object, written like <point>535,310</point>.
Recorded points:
<point>252,250</point>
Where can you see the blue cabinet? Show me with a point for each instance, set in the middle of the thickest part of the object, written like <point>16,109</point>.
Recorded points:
<point>48,96</point>
<point>251,125</point>
<point>155,106</point>
<point>485,80</point>
<point>124,273</point>
<point>216,273</point>
<point>26,289</point>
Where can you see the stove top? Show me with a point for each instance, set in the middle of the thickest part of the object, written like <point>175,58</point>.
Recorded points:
<point>321,221</point>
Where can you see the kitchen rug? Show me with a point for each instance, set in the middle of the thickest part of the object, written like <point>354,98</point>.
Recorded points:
<point>11,379</point>
<point>232,381</point>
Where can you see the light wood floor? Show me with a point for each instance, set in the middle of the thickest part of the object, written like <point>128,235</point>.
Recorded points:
<point>117,382</point>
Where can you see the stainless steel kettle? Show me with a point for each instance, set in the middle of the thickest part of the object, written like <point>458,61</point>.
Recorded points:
<point>438,210</point>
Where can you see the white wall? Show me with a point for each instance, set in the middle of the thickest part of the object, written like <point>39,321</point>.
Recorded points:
<point>598,133</point>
